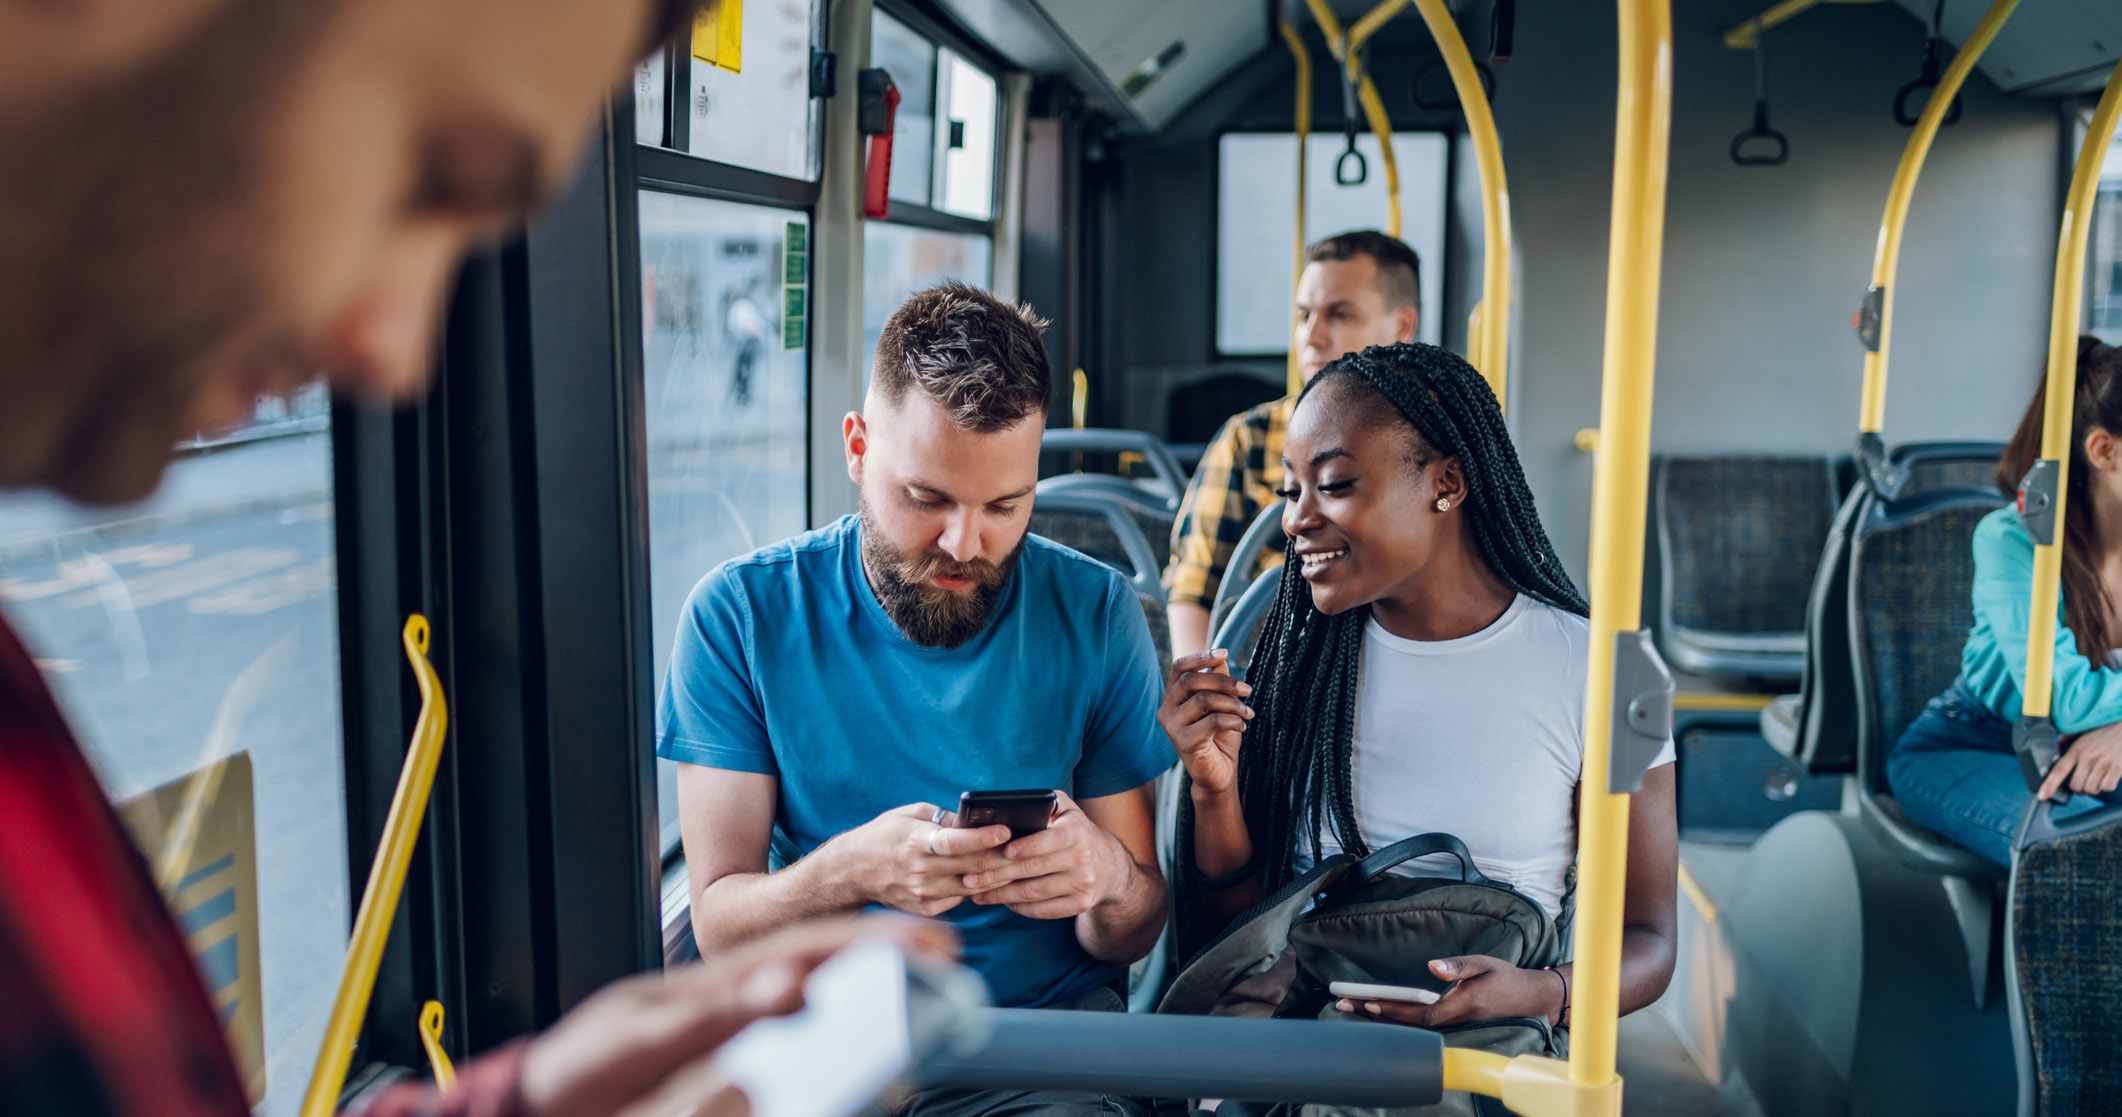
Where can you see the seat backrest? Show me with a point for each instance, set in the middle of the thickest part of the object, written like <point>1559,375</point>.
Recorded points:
<point>1102,528</point>
<point>1150,512</point>
<point>1827,698</point>
<point>1260,540</point>
<point>1939,465</point>
<point>1739,538</point>
<point>1063,450</point>
<point>1911,575</point>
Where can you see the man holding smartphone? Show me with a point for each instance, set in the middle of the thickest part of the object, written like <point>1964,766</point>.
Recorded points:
<point>827,693</point>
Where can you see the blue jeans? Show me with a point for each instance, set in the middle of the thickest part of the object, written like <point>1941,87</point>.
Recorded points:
<point>1953,771</point>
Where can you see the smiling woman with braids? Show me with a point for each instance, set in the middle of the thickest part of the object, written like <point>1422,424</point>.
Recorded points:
<point>1422,669</point>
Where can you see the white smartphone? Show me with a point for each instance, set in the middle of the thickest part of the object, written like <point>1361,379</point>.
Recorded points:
<point>871,1017</point>
<point>1360,991</point>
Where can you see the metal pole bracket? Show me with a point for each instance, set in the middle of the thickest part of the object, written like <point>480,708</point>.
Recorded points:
<point>2038,747</point>
<point>1870,317</point>
<point>2037,501</point>
<point>1642,711</point>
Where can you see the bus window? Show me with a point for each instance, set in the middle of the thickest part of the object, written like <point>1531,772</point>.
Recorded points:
<point>967,144</point>
<point>197,627</point>
<point>911,61</point>
<point>898,260</point>
<point>724,321</point>
<point>1256,200</point>
<point>755,110</point>
<point>2103,279</point>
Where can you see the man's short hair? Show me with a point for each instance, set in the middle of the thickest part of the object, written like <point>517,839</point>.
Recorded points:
<point>976,355</point>
<point>1399,269</point>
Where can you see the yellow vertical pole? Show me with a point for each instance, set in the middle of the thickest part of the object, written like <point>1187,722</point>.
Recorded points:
<point>2062,383</point>
<point>1303,60</point>
<point>1886,258</point>
<point>1619,489</point>
<point>1488,336</point>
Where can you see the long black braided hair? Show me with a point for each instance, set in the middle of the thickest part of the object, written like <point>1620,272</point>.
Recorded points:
<point>1294,768</point>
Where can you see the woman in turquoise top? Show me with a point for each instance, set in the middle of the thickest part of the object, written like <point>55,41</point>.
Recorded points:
<point>1953,770</point>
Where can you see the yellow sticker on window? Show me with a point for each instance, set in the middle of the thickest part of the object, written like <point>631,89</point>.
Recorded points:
<point>718,34</point>
<point>197,832</point>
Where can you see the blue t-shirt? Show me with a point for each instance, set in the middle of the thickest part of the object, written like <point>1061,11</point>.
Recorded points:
<point>786,664</point>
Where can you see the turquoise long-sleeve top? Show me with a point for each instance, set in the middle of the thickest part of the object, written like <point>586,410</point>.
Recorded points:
<point>1993,665</point>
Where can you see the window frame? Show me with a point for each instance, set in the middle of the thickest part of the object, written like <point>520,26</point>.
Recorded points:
<point>1215,245</point>
<point>944,36</point>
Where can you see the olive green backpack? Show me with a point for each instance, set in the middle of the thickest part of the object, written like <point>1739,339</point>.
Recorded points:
<point>1278,958</point>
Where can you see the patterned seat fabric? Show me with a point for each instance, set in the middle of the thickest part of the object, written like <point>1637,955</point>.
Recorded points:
<point>1741,537</point>
<point>2064,899</point>
<point>1087,532</point>
<point>1910,589</point>
<point>1945,472</point>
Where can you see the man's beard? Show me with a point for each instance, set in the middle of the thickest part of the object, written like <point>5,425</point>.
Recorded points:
<point>932,617</point>
<point>130,294</point>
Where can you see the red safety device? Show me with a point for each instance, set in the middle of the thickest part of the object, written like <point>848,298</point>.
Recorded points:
<point>877,181</point>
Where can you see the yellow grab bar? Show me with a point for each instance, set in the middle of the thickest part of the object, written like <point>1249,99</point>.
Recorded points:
<point>1619,491</point>
<point>1303,60</point>
<point>2062,386</point>
<point>1344,45</point>
<point>1488,339</point>
<point>386,879</point>
<point>1886,259</point>
<point>1746,35</point>
<point>431,1040</point>
<point>1079,399</point>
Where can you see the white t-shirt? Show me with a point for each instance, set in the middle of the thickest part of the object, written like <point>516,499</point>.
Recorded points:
<point>1481,737</point>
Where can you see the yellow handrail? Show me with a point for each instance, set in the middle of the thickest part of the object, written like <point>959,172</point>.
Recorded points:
<point>1345,47</point>
<point>1488,337</point>
<point>1745,35</point>
<point>1619,491</point>
<point>1886,260</point>
<point>386,880</point>
<point>2062,384</point>
<point>431,1041</point>
<point>1303,60</point>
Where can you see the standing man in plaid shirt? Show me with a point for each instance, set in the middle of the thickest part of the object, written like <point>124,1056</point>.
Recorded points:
<point>210,201</point>
<point>1358,290</point>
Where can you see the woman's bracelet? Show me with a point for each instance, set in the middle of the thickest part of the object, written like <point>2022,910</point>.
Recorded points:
<point>1562,1017</point>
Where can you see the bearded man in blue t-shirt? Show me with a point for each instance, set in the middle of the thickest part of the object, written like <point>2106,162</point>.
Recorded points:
<point>827,693</point>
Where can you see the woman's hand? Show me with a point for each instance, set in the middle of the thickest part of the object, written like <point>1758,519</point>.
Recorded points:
<point>1487,988</point>
<point>2093,765</point>
<point>1204,713</point>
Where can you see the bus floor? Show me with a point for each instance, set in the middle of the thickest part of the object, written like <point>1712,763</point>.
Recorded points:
<point>1662,1076</point>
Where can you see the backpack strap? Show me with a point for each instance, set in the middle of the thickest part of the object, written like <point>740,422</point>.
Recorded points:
<point>1421,845</point>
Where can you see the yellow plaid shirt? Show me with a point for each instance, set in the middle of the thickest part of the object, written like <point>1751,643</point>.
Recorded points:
<point>1237,478</point>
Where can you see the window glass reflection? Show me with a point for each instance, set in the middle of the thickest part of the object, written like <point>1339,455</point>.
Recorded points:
<point>2103,280</point>
<point>197,627</point>
<point>723,304</point>
<point>753,107</point>
<point>911,61</point>
<point>898,260</point>
<point>967,140</point>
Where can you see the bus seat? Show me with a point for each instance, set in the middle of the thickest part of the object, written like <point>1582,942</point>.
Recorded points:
<point>1150,511</point>
<point>1262,538</point>
<point>1738,540</point>
<point>2066,888</point>
<point>1101,528</point>
<point>1910,569</point>
<point>1240,630</point>
<point>1816,726</point>
<point>1064,450</point>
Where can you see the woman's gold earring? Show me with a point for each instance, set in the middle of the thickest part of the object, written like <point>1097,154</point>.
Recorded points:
<point>1444,504</point>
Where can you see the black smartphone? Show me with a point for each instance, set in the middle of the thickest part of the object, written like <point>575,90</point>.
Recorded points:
<point>1024,812</point>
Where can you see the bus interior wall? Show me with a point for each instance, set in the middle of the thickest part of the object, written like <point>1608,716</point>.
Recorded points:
<point>1762,265</point>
